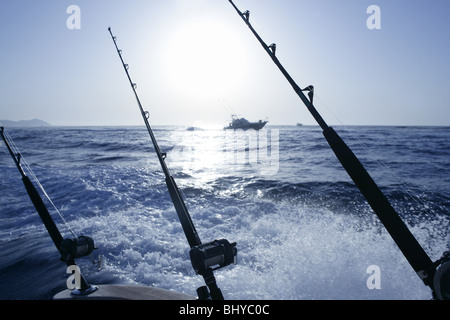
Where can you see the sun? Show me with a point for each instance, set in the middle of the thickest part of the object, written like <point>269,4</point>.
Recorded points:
<point>201,58</point>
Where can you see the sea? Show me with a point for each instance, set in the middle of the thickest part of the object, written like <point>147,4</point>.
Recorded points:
<point>302,229</point>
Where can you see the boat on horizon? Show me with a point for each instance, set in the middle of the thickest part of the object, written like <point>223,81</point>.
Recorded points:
<point>242,123</point>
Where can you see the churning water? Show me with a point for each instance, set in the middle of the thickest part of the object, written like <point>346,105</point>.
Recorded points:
<point>302,228</point>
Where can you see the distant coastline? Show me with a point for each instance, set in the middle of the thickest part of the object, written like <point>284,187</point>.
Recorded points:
<point>25,123</point>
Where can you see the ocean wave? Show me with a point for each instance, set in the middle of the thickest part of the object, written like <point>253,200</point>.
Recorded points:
<point>304,232</point>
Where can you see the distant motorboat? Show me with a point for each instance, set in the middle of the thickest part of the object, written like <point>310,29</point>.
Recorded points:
<point>242,123</point>
<point>194,129</point>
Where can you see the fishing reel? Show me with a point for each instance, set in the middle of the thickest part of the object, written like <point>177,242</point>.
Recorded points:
<point>213,255</point>
<point>441,278</point>
<point>72,249</point>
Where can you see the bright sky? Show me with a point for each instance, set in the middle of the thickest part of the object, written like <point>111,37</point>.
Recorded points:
<point>195,60</point>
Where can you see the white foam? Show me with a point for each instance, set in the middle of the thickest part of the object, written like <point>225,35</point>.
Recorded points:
<point>294,253</point>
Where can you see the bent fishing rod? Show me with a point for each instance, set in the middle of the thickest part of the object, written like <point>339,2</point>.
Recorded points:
<point>70,249</point>
<point>205,258</point>
<point>436,275</point>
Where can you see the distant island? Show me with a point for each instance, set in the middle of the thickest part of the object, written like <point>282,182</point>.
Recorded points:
<point>25,123</point>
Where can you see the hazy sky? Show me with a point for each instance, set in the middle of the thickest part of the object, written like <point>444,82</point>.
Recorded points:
<point>196,60</point>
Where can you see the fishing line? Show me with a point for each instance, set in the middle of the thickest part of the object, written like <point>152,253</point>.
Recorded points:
<point>341,150</point>
<point>433,274</point>
<point>30,172</point>
<point>205,257</point>
<point>403,185</point>
<point>227,107</point>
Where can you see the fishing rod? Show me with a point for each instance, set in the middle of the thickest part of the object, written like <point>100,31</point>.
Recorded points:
<point>436,275</point>
<point>70,249</point>
<point>205,258</point>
